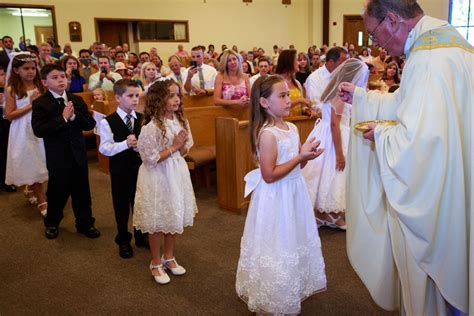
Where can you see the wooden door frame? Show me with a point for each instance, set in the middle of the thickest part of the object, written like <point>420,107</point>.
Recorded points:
<point>98,20</point>
<point>36,30</point>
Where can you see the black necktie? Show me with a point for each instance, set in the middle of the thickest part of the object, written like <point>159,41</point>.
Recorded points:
<point>61,101</point>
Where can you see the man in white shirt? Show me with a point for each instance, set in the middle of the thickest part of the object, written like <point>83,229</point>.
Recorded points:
<point>319,79</point>
<point>199,79</point>
<point>381,61</point>
<point>104,78</point>
<point>263,69</point>
<point>177,72</point>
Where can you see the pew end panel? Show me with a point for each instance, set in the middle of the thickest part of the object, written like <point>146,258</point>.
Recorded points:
<point>234,158</point>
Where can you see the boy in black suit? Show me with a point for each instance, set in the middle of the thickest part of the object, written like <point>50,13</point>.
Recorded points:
<point>59,118</point>
<point>118,140</point>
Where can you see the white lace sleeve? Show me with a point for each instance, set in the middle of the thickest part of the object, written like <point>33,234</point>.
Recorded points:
<point>149,144</point>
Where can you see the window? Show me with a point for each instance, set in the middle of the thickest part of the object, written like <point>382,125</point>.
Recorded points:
<point>161,31</point>
<point>34,24</point>
<point>461,16</point>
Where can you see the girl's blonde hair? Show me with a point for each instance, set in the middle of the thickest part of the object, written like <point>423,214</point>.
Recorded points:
<point>259,117</point>
<point>15,83</point>
<point>101,91</point>
<point>224,69</point>
<point>145,65</point>
<point>155,105</point>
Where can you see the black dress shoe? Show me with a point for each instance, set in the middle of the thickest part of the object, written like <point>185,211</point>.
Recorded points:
<point>8,188</point>
<point>142,242</point>
<point>51,232</point>
<point>125,251</point>
<point>90,232</point>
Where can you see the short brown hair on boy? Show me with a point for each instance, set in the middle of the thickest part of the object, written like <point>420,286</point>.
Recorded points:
<point>120,87</point>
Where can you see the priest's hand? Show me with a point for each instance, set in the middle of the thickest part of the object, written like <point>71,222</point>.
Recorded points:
<point>370,133</point>
<point>346,91</point>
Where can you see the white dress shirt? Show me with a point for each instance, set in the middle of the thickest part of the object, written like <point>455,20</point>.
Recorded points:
<point>64,96</point>
<point>108,147</point>
<point>209,73</point>
<point>315,85</point>
<point>106,84</point>
<point>253,79</point>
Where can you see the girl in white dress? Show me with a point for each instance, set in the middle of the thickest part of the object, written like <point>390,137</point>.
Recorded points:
<point>26,160</point>
<point>280,262</point>
<point>164,201</point>
<point>326,175</point>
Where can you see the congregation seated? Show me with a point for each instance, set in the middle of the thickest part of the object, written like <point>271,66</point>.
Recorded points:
<point>76,83</point>
<point>286,68</point>
<point>45,56</point>
<point>232,86</point>
<point>303,68</point>
<point>181,53</point>
<point>390,77</point>
<point>177,72</point>
<point>148,75</point>
<point>263,69</point>
<point>380,62</point>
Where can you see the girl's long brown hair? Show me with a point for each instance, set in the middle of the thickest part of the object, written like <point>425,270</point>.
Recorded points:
<point>17,87</point>
<point>259,117</point>
<point>155,105</point>
<point>396,77</point>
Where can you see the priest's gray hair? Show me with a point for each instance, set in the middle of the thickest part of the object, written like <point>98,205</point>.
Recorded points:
<point>352,70</point>
<point>407,9</point>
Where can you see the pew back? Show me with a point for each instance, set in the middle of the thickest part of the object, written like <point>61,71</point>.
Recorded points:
<point>234,158</point>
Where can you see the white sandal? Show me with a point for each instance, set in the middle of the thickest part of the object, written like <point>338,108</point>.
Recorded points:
<point>31,199</point>
<point>332,222</point>
<point>44,212</point>
<point>179,270</point>
<point>163,278</point>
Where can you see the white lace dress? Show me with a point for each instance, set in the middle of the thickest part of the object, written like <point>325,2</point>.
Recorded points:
<point>164,201</point>
<point>326,185</point>
<point>281,262</point>
<point>26,159</point>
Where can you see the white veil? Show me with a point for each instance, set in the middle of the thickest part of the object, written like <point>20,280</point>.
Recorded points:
<point>9,68</point>
<point>352,70</point>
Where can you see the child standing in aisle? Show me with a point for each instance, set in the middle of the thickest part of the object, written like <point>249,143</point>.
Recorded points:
<point>164,202</point>
<point>26,160</point>
<point>280,257</point>
<point>118,140</point>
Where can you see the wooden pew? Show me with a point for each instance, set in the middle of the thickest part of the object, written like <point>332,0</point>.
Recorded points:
<point>234,159</point>
<point>203,128</point>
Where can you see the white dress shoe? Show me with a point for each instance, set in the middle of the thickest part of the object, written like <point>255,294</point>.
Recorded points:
<point>163,278</point>
<point>179,270</point>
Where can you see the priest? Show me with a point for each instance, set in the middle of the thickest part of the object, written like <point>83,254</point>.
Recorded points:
<point>409,185</point>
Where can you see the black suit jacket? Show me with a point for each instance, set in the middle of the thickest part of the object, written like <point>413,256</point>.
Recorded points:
<point>63,141</point>
<point>4,59</point>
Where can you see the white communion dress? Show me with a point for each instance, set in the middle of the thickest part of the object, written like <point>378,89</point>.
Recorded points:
<point>281,262</point>
<point>26,158</point>
<point>326,185</point>
<point>164,201</point>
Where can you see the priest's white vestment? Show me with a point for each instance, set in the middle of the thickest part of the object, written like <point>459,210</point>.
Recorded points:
<point>409,193</point>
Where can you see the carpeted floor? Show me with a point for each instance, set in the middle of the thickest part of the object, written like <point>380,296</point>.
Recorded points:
<point>74,275</point>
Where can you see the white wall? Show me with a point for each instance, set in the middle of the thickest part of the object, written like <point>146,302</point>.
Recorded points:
<point>338,8</point>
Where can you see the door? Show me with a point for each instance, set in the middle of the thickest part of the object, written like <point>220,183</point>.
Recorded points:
<point>354,32</point>
<point>43,34</point>
<point>112,33</point>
